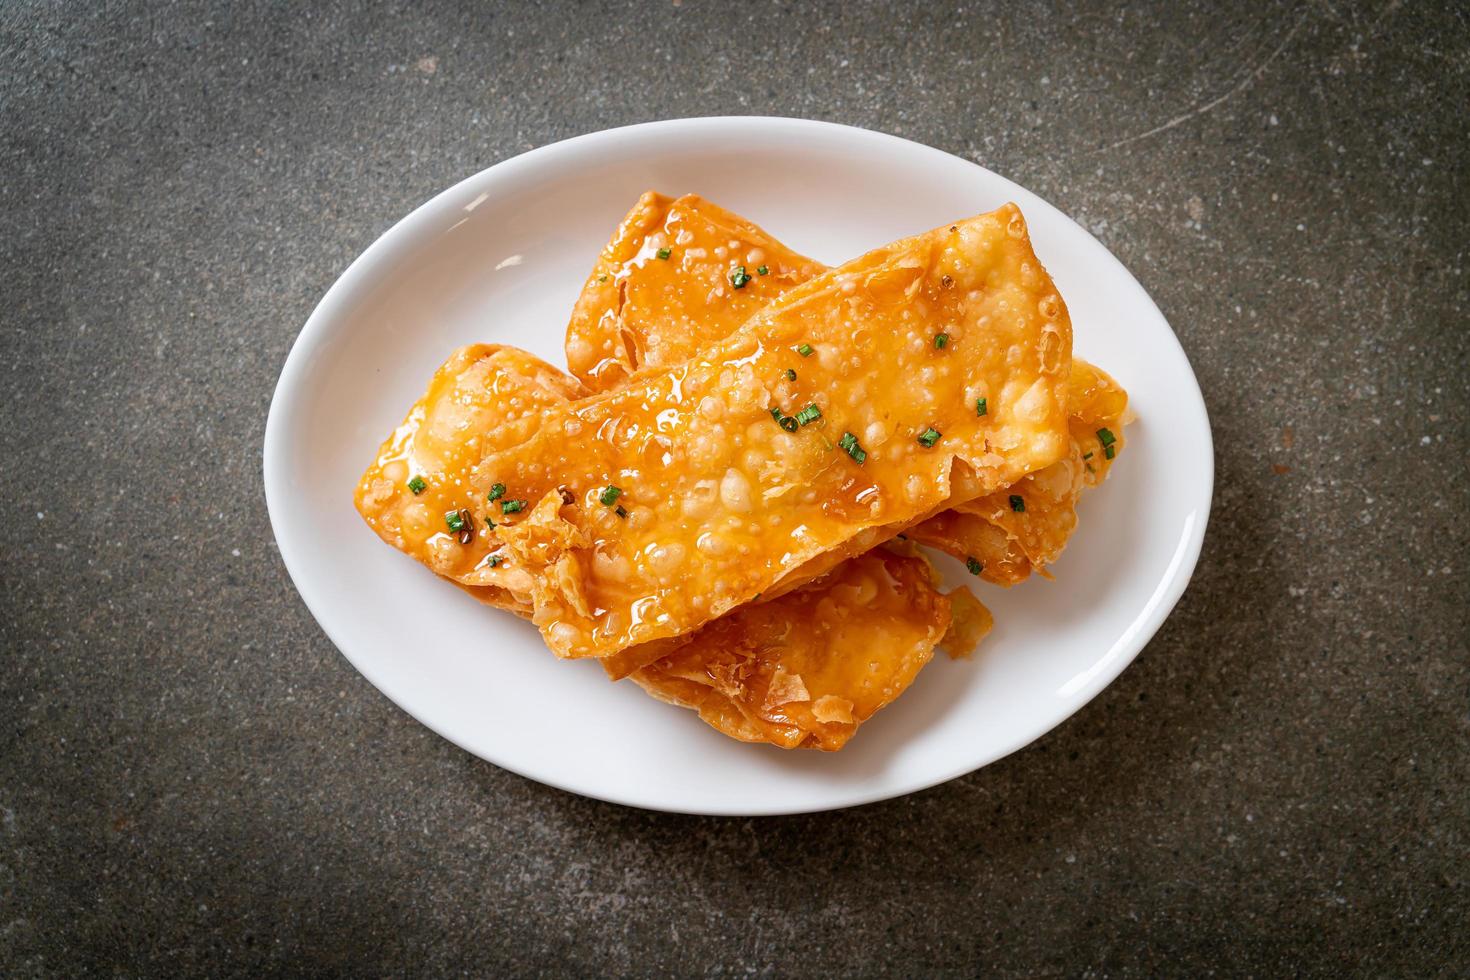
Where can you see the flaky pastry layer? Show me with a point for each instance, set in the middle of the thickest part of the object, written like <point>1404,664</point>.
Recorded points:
<point>724,498</point>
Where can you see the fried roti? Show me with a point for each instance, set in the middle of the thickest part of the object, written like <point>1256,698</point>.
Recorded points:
<point>645,512</point>
<point>659,290</point>
<point>805,670</point>
<point>483,398</point>
<point>486,395</point>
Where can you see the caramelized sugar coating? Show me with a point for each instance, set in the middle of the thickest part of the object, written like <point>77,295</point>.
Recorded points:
<point>638,311</point>
<point>1024,527</point>
<point>723,501</point>
<point>805,670</point>
<point>484,398</point>
<point>662,290</point>
<point>487,395</point>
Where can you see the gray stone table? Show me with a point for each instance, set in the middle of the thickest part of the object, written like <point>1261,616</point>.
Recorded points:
<point>192,779</point>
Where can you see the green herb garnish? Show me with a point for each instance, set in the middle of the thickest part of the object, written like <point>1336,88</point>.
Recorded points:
<point>789,423</point>
<point>417,485</point>
<point>455,520</point>
<point>620,511</point>
<point>1018,503</point>
<point>739,277</point>
<point>790,374</point>
<point>664,253</point>
<point>808,415</point>
<point>940,340</point>
<point>495,561</point>
<point>496,492</point>
<point>929,437</point>
<point>849,444</point>
<point>980,407</point>
<point>763,270</point>
<point>974,566</point>
<point>610,495</point>
<point>1106,437</point>
<point>512,506</point>
<point>1109,452</point>
<point>805,350</point>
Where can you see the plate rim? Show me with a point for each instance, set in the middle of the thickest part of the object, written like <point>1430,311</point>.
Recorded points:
<point>400,236</point>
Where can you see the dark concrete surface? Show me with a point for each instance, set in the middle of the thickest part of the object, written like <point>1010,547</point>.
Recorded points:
<point>194,782</point>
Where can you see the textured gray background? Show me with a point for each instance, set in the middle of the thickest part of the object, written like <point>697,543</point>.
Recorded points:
<point>192,780</point>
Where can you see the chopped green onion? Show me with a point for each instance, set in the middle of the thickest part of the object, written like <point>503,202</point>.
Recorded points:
<point>776,414</point>
<point>940,340</point>
<point>763,270</point>
<point>805,350</point>
<point>790,424</point>
<point>790,374</point>
<point>1089,468</point>
<point>974,566</point>
<point>455,520</point>
<point>620,510</point>
<point>1018,503</point>
<point>512,506</point>
<point>495,561</point>
<point>610,495</point>
<point>664,253</point>
<point>602,278</point>
<point>1087,455</point>
<point>417,485</point>
<point>929,437</point>
<point>980,407</point>
<point>1106,437</point>
<point>849,444</point>
<point>1110,451</point>
<point>496,492</point>
<point>808,415</point>
<point>739,277</point>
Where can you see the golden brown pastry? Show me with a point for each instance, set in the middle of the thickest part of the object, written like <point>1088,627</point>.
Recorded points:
<point>731,474</point>
<point>486,395</point>
<point>805,670</point>
<point>658,291</point>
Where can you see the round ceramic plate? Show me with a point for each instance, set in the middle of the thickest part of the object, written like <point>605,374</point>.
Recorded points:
<point>500,257</point>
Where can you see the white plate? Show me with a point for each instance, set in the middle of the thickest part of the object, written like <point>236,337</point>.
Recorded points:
<point>500,257</point>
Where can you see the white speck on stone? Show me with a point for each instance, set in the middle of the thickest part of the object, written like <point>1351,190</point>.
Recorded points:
<point>40,515</point>
<point>1425,441</point>
<point>235,552</point>
<point>1274,120</point>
